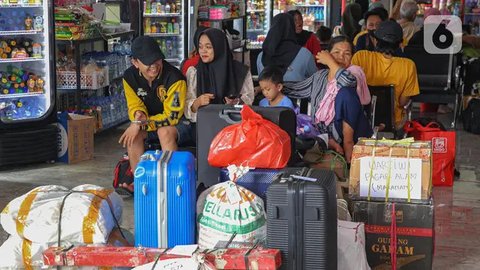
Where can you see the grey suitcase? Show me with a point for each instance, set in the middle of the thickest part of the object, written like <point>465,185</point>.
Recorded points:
<point>302,218</point>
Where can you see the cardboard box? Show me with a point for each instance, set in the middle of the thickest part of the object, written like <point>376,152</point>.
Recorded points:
<point>396,170</point>
<point>414,233</point>
<point>76,132</point>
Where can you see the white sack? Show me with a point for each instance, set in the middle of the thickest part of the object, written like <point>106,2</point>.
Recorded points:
<point>86,218</point>
<point>351,246</point>
<point>230,209</point>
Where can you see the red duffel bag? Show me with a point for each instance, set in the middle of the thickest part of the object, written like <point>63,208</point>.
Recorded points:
<point>254,142</point>
<point>443,149</point>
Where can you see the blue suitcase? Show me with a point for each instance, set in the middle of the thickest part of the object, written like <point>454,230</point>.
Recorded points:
<point>257,180</point>
<point>165,199</point>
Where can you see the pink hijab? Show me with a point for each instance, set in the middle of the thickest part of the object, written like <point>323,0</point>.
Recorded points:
<point>326,109</point>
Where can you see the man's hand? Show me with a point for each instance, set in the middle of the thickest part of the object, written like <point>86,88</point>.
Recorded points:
<point>202,100</point>
<point>129,135</point>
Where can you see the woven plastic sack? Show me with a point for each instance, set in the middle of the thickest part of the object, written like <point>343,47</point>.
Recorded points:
<point>86,214</point>
<point>231,213</point>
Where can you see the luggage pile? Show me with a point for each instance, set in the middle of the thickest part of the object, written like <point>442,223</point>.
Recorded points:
<point>391,188</point>
<point>263,211</point>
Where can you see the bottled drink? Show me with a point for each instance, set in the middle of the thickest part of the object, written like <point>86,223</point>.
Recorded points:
<point>170,27</point>
<point>159,7</point>
<point>167,8</point>
<point>154,7</point>
<point>153,28</point>
<point>147,8</point>
<point>176,27</point>
<point>148,28</point>
<point>178,7</point>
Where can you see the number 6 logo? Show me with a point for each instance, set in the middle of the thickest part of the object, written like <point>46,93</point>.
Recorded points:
<point>442,34</point>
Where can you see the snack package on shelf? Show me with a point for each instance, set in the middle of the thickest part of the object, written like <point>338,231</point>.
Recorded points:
<point>75,23</point>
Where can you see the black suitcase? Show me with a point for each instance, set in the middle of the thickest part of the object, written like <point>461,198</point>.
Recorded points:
<point>302,218</point>
<point>213,118</point>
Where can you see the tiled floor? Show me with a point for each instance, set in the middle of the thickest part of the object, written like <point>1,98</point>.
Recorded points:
<point>457,208</point>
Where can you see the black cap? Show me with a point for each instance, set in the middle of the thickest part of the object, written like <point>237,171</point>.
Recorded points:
<point>379,11</point>
<point>389,31</point>
<point>146,49</point>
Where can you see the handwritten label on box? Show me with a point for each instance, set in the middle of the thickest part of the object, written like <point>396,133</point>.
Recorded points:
<point>397,167</point>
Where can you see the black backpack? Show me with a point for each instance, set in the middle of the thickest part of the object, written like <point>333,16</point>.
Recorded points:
<point>471,116</point>
<point>122,174</point>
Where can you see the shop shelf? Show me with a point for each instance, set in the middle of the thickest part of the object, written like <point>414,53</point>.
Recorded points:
<point>20,60</point>
<point>20,32</point>
<point>221,20</point>
<point>308,6</point>
<point>94,80</point>
<point>96,38</point>
<point>19,95</point>
<point>178,60</point>
<point>148,15</point>
<point>162,34</point>
<point>21,5</point>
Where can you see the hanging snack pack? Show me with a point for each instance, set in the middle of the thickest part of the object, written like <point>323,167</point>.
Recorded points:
<point>231,213</point>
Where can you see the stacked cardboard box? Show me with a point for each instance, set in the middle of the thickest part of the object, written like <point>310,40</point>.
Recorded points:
<point>390,185</point>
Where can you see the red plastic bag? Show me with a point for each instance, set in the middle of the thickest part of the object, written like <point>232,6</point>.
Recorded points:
<point>254,142</point>
<point>443,149</point>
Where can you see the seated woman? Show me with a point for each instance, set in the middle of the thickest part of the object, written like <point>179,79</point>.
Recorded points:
<point>305,38</point>
<point>282,50</point>
<point>217,78</point>
<point>334,99</point>
<point>193,57</point>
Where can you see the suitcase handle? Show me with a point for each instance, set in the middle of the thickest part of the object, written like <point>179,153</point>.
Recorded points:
<point>231,116</point>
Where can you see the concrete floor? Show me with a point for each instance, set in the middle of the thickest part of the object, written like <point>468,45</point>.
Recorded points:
<point>457,209</point>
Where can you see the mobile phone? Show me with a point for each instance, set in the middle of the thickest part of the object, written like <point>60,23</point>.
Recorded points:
<point>234,96</point>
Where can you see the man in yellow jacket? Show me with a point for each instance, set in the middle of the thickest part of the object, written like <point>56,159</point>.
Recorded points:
<point>155,93</point>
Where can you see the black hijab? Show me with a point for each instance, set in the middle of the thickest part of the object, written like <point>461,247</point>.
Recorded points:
<point>303,36</point>
<point>351,18</point>
<point>280,46</point>
<point>196,36</point>
<point>224,76</point>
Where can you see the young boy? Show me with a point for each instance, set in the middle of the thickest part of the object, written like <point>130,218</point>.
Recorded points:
<point>271,83</point>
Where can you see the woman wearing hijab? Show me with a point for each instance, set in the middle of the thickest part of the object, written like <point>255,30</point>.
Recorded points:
<point>281,49</point>
<point>305,38</point>
<point>217,78</point>
<point>337,95</point>
<point>194,56</point>
<point>351,20</point>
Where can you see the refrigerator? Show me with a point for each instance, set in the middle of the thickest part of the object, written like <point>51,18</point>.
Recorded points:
<point>315,13</point>
<point>27,82</point>
<point>166,21</point>
<point>259,13</point>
